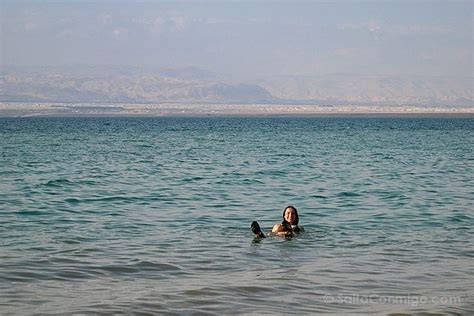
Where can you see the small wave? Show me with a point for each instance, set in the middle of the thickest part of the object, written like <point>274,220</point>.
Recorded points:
<point>271,172</point>
<point>394,195</point>
<point>317,196</point>
<point>383,156</point>
<point>249,289</point>
<point>30,212</point>
<point>192,179</point>
<point>460,218</point>
<point>348,194</point>
<point>72,200</point>
<point>144,146</point>
<point>468,253</point>
<point>107,199</point>
<point>156,266</point>
<point>87,182</point>
<point>251,181</point>
<point>74,274</point>
<point>21,275</point>
<point>58,183</point>
<point>138,267</point>
<point>205,291</point>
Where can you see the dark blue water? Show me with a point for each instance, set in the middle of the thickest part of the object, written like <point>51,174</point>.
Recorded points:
<point>124,215</point>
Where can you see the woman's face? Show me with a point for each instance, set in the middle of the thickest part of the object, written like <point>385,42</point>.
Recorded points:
<point>290,216</point>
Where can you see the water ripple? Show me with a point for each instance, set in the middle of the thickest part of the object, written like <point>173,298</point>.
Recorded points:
<point>151,215</point>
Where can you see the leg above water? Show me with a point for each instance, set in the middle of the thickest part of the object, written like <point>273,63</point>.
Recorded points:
<point>256,229</point>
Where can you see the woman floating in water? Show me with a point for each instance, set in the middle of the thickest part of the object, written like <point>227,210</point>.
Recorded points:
<point>288,227</point>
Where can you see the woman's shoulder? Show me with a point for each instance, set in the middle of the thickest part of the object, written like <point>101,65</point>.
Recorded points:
<point>276,228</point>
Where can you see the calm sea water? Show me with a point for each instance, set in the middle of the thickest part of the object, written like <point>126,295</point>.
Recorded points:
<point>152,215</point>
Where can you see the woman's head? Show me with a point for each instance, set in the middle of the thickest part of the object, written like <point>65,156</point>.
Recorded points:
<point>290,214</point>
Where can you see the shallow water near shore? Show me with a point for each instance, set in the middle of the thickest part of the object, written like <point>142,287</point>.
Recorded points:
<point>152,215</point>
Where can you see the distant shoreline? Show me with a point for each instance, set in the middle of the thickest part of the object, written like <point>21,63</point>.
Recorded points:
<point>38,109</point>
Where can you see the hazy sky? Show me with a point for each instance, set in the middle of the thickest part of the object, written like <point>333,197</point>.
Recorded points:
<point>245,38</point>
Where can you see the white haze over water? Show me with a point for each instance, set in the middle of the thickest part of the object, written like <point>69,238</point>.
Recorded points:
<point>244,39</point>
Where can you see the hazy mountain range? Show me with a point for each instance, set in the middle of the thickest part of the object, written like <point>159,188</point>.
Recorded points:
<point>193,85</point>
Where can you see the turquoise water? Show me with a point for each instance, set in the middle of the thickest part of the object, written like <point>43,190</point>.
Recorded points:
<point>152,215</point>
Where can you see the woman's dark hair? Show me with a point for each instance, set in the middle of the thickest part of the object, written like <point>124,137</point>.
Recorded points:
<point>296,213</point>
